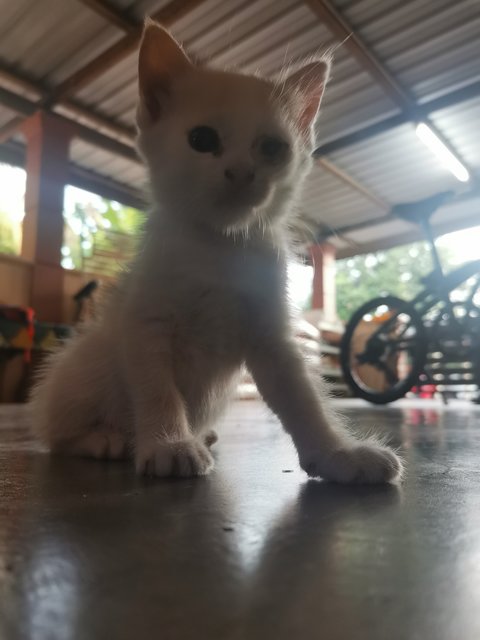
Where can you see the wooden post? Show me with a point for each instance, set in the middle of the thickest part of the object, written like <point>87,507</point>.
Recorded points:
<point>48,139</point>
<point>324,291</point>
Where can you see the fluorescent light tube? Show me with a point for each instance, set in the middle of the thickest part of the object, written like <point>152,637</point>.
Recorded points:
<point>446,157</point>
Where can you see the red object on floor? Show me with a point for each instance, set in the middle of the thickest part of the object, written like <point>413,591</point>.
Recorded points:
<point>425,391</point>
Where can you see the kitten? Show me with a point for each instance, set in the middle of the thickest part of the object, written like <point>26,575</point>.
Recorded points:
<point>227,154</point>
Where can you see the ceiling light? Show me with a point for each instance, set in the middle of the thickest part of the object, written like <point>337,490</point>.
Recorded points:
<point>443,153</point>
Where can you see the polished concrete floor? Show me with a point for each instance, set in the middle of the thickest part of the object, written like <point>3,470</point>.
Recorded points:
<point>89,552</point>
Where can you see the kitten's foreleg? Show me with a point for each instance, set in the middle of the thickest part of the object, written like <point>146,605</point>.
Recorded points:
<point>164,442</point>
<point>324,446</point>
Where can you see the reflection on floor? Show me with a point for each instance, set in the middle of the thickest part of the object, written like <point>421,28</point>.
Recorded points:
<point>87,551</point>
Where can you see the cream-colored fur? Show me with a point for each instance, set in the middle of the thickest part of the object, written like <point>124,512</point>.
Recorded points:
<point>206,293</point>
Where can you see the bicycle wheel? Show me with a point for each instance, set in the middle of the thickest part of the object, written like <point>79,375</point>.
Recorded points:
<point>383,350</point>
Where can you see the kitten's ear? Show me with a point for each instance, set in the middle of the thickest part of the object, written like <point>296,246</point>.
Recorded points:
<point>308,85</point>
<point>161,59</point>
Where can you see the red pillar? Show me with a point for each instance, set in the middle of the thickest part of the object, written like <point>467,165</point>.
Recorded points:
<point>324,292</point>
<point>48,139</point>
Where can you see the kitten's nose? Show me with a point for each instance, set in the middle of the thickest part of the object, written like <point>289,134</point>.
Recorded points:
<point>240,175</point>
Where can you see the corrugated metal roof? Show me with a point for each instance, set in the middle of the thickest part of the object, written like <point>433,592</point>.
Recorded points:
<point>330,201</point>
<point>49,39</point>
<point>389,165</point>
<point>388,229</point>
<point>430,47</point>
<point>458,212</point>
<point>107,164</point>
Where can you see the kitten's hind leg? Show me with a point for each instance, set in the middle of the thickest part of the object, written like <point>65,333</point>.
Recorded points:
<point>77,406</point>
<point>101,443</point>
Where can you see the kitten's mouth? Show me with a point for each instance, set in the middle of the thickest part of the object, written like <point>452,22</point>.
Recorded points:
<point>240,213</point>
<point>243,199</point>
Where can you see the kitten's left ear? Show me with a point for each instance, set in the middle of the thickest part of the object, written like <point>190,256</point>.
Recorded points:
<point>307,86</point>
<point>160,60</point>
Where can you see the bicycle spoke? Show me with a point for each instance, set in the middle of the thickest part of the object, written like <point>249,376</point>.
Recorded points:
<point>392,377</point>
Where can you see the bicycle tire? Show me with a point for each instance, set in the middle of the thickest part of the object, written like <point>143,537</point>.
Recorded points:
<point>411,379</point>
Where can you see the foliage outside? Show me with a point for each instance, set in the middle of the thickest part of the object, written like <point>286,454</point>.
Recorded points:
<point>10,234</point>
<point>12,190</point>
<point>100,235</point>
<point>397,271</point>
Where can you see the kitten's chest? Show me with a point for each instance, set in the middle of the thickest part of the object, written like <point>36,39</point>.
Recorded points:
<point>233,273</point>
<point>211,292</point>
<point>211,316</point>
<point>219,305</point>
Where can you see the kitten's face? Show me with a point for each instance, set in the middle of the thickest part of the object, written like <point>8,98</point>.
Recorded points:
<point>223,148</point>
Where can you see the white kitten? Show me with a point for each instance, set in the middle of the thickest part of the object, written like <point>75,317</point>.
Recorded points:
<point>227,154</point>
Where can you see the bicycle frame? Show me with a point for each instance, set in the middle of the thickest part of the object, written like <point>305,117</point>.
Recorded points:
<point>439,290</point>
<point>439,286</point>
<point>444,326</point>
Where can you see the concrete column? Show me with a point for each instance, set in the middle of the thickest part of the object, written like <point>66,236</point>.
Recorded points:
<point>324,291</point>
<point>48,139</point>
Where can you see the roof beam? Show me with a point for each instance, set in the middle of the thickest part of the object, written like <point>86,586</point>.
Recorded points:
<point>111,14</point>
<point>26,108</point>
<point>406,237</point>
<point>10,77</point>
<point>422,112</point>
<point>75,111</point>
<point>336,22</point>
<point>347,179</point>
<point>167,15</point>
<point>10,128</point>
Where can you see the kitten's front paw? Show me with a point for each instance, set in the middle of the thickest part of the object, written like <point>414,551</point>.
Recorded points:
<point>362,463</point>
<point>182,459</point>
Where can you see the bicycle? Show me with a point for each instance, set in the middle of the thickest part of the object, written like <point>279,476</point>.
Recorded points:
<point>391,345</point>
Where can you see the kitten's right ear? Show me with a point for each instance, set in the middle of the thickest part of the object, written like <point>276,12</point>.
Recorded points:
<point>308,86</point>
<point>160,60</point>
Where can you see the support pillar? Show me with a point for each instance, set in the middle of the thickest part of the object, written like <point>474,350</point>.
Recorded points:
<point>48,139</point>
<point>324,290</point>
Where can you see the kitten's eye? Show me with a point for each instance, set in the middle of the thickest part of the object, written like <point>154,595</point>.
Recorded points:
<point>273,148</point>
<point>204,140</point>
